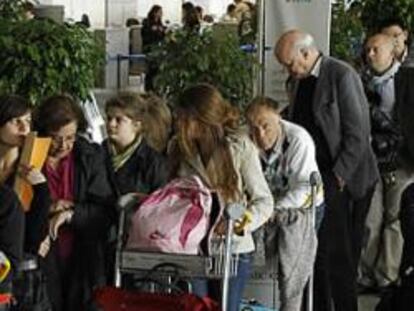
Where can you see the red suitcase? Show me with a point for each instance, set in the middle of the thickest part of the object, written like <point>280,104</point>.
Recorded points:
<point>116,299</point>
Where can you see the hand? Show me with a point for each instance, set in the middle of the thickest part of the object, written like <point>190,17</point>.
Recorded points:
<point>61,205</point>
<point>44,247</point>
<point>57,221</point>
<point>32,175</point>
<point>129,199</point>
<point>221,227</point>
<point>341,182</point>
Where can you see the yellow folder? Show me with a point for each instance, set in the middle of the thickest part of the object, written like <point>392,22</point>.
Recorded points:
<point>34,153</point>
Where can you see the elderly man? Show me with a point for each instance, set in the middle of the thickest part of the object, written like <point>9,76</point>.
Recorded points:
<point>328,100</point>
<point>287,155</point>
<point>381,256</point>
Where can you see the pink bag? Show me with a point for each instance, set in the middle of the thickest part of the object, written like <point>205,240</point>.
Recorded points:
<point>173,219</point>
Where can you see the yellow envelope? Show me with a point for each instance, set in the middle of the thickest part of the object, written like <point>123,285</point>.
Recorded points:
<point>34,153</point>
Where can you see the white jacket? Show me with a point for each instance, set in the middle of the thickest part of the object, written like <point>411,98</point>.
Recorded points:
<point>289,166</point>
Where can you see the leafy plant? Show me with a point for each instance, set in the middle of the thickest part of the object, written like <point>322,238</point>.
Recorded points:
<point>375,12</point>
<point>346,32</point>
<point>11,9</point>
<point>186,58</point>
<point>40,58</point>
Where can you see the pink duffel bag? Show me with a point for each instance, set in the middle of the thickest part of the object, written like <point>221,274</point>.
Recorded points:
<point>173,219</point>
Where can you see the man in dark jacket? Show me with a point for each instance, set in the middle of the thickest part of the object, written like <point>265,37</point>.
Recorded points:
<point>328,100</point>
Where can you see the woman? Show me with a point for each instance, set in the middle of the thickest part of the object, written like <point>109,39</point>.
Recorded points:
<point>11,245</point>
<point>152,32</point>
<point>209,144</point>
<point>82,209</point>
<point>192,22</point>
<point>15,123</point>
<point>134,163</point>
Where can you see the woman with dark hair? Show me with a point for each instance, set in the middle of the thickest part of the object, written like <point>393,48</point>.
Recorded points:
<point>210,144</point>
<point>82,210</point>
<point>15,124</point>
<point>191,21</point>
<point>152,32</point>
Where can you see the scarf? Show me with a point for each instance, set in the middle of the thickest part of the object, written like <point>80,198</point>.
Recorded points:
<point>383,85</point>
<point>119,159</point>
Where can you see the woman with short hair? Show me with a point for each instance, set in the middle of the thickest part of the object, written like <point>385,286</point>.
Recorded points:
<point>15,125</point>
<point>82,209</point>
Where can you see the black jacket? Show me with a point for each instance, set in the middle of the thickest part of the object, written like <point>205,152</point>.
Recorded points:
<point>145,171</point>
<point>151,33</point>
<point>11,225</point>
<point>36,219</point>
<point>93,212</point>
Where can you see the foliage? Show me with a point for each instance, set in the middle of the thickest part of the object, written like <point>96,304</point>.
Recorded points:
<point>11,9</point>
<point>346,32</point>
<point>185,58</point>
<point>375,12</point>
<point>40,58</point>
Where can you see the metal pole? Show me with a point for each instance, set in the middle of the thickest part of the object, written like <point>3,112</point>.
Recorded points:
<point>106,9</point>
<point>261,46</point>
<point>314,181</point>
<point>118,251</point>
<point>227,264</point>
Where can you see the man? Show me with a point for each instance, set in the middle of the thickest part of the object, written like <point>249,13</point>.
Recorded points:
<point>287,154</point>
<point>381,256</point>
<point>329,101</point>
<point>396,29</point>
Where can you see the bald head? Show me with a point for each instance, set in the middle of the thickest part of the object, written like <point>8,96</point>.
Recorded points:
<point>297,52</point>
<point>379,51</point>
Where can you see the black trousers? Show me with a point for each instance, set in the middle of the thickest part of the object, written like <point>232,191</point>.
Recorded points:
<point>339,248</point>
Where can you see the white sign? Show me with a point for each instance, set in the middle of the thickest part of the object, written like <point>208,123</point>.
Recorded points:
<point>312,16</point>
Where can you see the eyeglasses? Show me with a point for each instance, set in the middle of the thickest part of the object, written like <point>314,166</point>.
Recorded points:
<point>65,139</point>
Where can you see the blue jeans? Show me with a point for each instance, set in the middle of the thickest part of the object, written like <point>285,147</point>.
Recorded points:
<point>203,287</point>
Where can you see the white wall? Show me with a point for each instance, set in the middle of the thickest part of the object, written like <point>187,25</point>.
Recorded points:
<point>75,8</point>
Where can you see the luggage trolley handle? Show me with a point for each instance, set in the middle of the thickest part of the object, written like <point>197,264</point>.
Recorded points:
<point>314,181</point>
<point>125,203</point>
<point>233,212</point>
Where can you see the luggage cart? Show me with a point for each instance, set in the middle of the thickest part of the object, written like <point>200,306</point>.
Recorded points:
<point>221,264</point>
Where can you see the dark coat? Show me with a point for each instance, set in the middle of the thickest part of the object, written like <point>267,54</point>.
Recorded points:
<point>151,33</point>
<point>11,225</point>
<point>93,212</point>
<point>36,219</point>
<point>145,171</point>
<point>340,110</point>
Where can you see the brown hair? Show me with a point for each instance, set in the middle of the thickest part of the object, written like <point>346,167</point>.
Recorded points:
<point>204,121</point>
<point>57,111</point>
<point>151,111</point>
